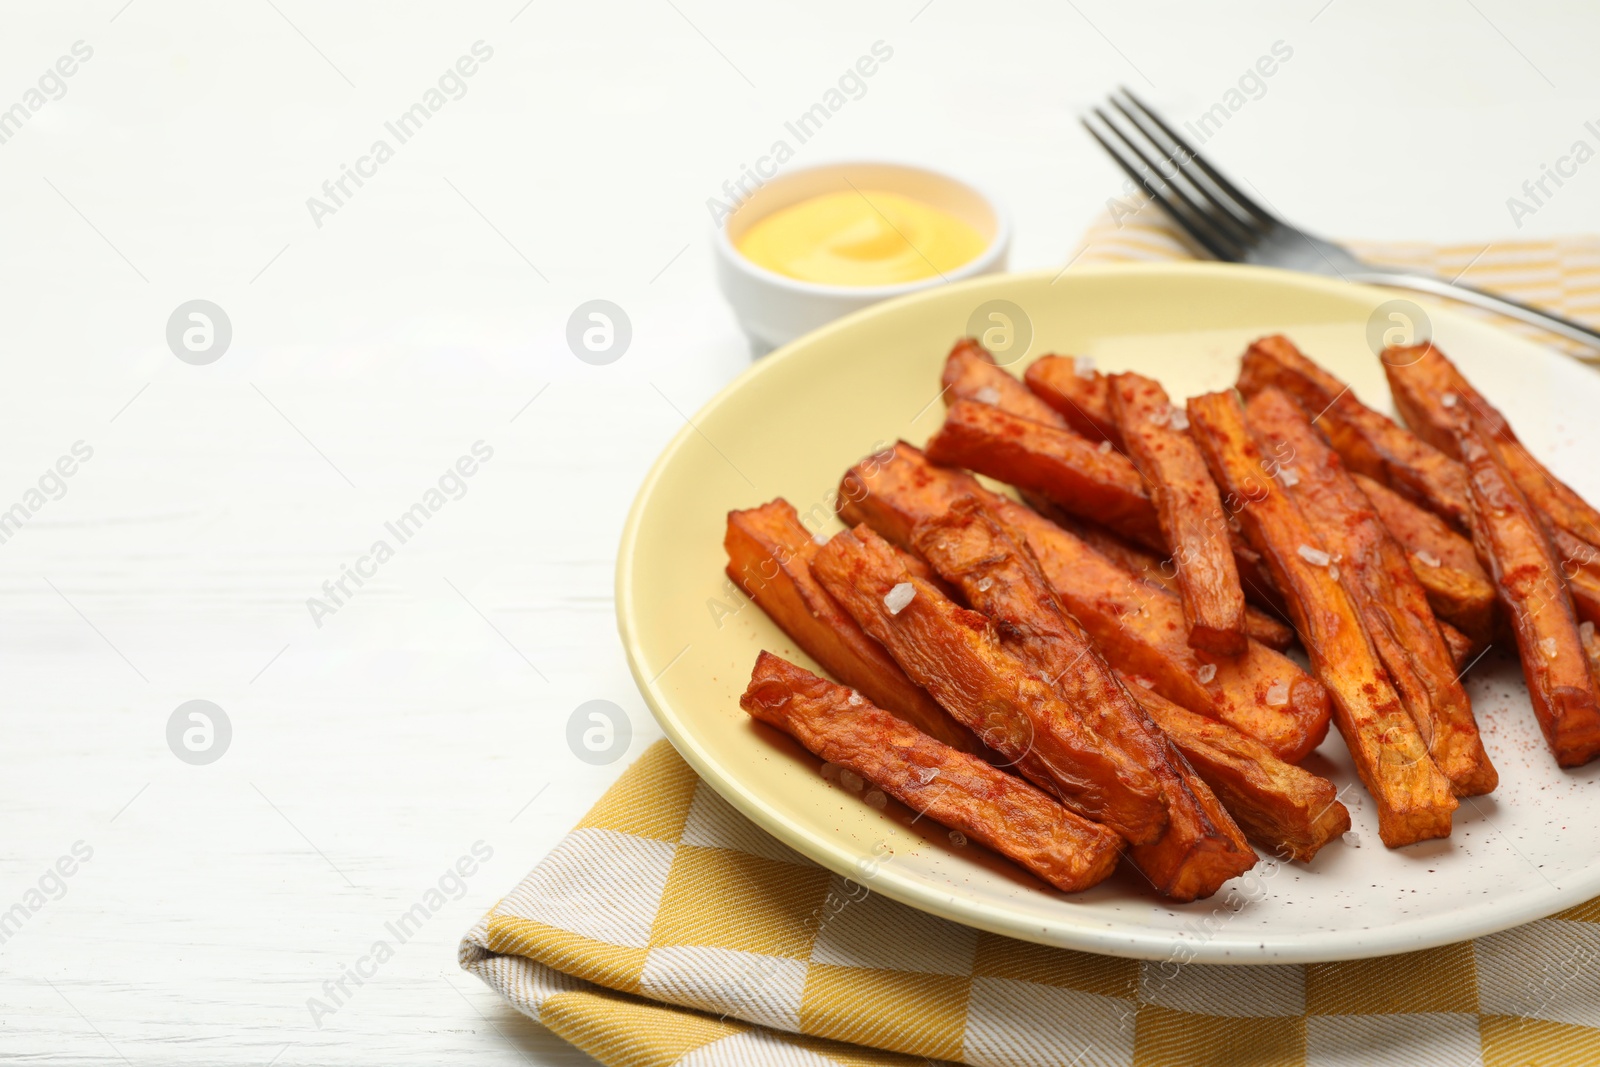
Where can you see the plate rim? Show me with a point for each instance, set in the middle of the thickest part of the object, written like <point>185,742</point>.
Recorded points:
<point>1083,934</point>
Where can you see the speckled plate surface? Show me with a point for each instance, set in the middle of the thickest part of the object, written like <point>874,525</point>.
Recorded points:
<point>791,425</point>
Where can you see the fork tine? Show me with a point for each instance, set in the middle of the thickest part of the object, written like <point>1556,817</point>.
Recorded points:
<point>1180,210</point>
<point>1215,176</point>
<point>1203,235</point>
<point>1223,218</point>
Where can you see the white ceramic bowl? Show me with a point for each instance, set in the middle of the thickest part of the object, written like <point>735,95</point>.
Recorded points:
<point>774,309</point>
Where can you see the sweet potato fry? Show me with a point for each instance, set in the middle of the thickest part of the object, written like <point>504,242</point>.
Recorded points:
<point>769,557</point>
<point>1288,811</point>
<point>1426,386</point>
<point>1382,588</point>
<point>1139,628</point>
<point>1444,562</point>
<point>1420,530</point>
<point>1255,577</point>
<point>1413,799</point>
<point>954,654</point>
<point>1078,477</point>
<point>1560,503</point>
<point>1464,651</point>
<point>1153,569</point>
<point>1579,562</point>
<point>1431,393</point>
<point>1202,847</point>
<point>970,373</point>
<point>952,788</point>
<point>1527,577</point>
<point>1081,399</point>
<point>1188,510</point>
<point>1370,443</point>
<point>1065,466</point>
<point>1591,647</point>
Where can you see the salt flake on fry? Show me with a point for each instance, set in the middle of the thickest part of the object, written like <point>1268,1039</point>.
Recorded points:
<point>1314,556</point>
<point>897,598</point>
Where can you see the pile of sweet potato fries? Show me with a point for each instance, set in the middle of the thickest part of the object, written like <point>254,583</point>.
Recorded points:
<point>1099,673</point>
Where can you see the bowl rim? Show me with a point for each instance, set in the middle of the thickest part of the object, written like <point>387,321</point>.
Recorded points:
<point>984,262</point>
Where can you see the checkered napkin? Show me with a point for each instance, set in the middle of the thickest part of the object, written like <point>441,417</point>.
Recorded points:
<point>668,929</point>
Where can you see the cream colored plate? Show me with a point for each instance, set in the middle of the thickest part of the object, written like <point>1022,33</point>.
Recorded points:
<point>793,422</point>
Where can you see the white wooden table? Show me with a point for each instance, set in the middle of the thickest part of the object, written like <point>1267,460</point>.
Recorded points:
<point>427,312</point>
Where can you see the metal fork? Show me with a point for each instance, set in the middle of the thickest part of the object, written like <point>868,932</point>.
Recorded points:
<point>1237,229</point>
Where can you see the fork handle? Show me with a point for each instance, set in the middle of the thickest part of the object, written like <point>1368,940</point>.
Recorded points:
<point>1427,283</point>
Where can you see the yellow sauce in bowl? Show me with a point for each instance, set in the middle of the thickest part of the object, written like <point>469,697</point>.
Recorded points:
<point>866,238</point>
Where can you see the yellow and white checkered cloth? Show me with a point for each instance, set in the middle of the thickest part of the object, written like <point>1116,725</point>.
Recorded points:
<point>667,929</point>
